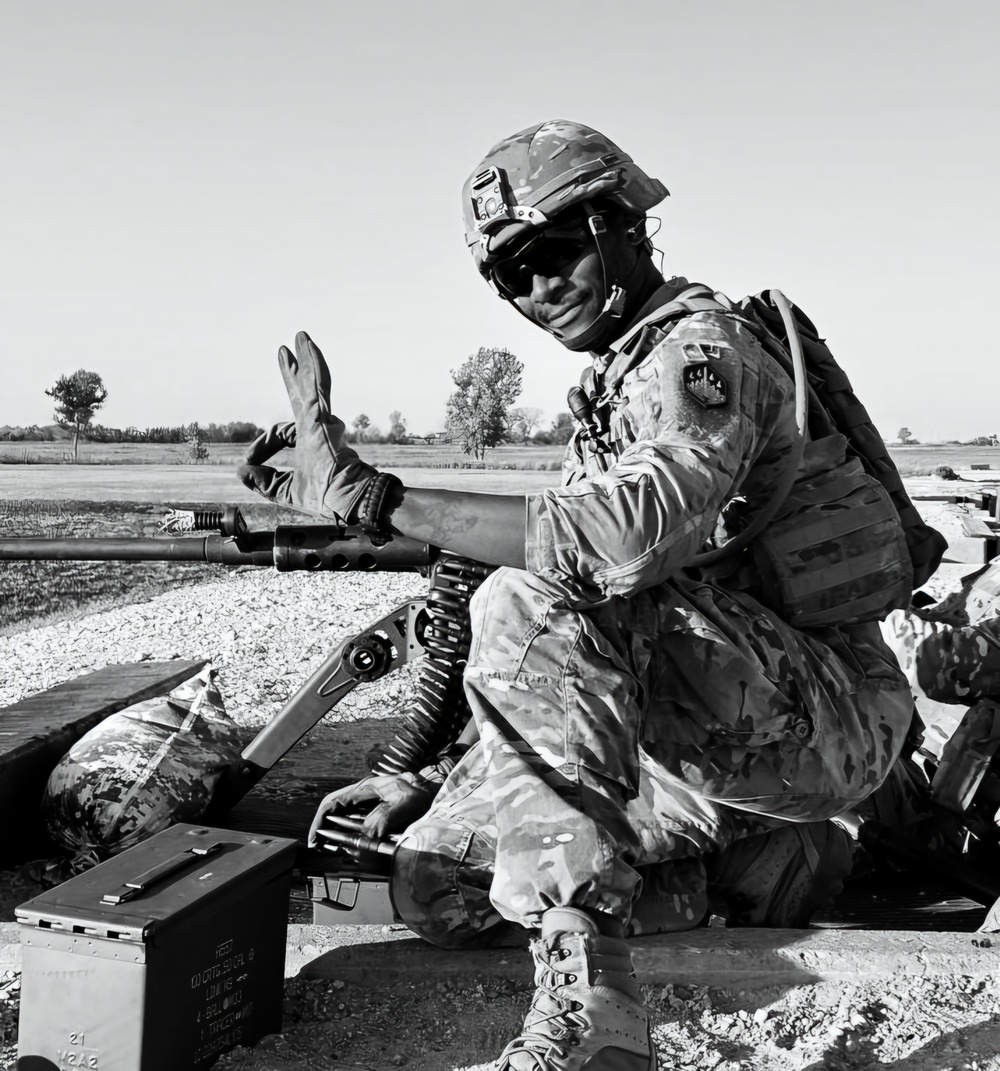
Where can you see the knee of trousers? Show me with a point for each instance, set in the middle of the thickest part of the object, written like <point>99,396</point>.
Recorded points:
<point>440,885</point>
<point>960,665</point>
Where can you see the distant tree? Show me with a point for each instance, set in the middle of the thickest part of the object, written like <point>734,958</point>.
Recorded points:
<point>558,433</point>
<point>77,398</point>
<point>904,435</point>
<point>196,445</point>
<point>241,431</point>
<point>562,428</point>
<point>397,427</point>
<point>478,413</point>
<point>523,421</point>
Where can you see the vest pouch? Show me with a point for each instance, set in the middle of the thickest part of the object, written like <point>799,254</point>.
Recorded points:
<point>836,553</point>
<point>837,406</point>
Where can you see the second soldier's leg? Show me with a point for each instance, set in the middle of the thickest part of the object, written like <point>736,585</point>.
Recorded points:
<point>948,662</point>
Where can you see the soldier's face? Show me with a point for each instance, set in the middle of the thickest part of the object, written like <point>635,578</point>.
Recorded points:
<point>556,280</point>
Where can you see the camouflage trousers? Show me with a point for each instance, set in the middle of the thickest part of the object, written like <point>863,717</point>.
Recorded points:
<point>951,651</point>
<point>651,728</point>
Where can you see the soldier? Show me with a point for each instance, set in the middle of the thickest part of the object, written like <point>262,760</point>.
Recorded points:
<point>636,706</point>
<point>950,653</point>
<point>951,650</point>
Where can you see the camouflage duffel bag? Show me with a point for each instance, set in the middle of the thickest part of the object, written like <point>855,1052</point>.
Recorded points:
<point>141,770</point>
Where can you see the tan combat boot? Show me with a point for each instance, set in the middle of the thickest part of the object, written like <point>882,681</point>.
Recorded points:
<point>587,1014</point>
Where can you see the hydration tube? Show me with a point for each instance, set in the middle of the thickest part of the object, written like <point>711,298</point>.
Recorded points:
<point>791,470</point>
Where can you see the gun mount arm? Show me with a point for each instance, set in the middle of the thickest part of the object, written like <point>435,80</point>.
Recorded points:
<point>379,649</point>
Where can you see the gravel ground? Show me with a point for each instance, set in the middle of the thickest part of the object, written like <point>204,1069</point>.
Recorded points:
<point>928,1027</point>
<point>931,1025</point>
<point>266,632</point>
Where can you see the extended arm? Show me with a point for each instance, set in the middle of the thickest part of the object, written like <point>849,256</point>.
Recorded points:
<point>489,528</point>
<point>329,479</point>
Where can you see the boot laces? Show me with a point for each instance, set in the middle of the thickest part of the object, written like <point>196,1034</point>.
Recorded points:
<point>553,1023</point>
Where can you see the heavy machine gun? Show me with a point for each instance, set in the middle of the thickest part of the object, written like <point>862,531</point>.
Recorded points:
<point>433,628</point>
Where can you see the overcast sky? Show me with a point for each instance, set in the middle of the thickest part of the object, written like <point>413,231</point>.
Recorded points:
<point>187,184</point>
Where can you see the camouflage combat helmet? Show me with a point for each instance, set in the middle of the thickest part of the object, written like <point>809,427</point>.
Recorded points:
<point>530,179</point>
<point>527,179</point>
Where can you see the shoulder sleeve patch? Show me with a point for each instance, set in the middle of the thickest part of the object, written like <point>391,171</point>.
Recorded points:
<point>706,371</point>
<point>707,385</point>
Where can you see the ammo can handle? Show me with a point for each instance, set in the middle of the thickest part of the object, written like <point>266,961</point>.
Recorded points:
<point>138,885</point>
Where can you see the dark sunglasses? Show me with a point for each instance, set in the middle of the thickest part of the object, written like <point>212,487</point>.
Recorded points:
<point>548,254</point>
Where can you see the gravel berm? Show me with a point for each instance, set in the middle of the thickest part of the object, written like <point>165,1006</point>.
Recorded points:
<point>266,632</point>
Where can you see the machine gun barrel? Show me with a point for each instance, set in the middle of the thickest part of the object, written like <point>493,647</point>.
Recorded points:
<point>313,547</point>
<point>212,548</point>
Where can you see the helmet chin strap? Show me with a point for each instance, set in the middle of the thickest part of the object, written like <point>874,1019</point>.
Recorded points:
<point>607,324</point>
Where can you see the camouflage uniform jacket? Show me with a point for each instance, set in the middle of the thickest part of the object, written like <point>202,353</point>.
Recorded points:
<point>694,413</point>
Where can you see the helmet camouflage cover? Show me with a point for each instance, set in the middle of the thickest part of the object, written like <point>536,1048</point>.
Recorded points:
<point>526,180</point>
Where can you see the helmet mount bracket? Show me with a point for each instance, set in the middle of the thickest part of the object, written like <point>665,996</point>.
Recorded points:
<point>494,204</point>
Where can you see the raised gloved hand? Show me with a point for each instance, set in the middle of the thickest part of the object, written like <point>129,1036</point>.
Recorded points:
<point>400,800</point>
<point>329,478</point>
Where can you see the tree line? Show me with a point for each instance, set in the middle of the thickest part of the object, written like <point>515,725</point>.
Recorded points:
<point>236,431</point>
<point>907,438</point>
<point>480,414</point>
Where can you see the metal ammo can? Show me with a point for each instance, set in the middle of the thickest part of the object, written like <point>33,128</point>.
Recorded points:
<point>163,957</point>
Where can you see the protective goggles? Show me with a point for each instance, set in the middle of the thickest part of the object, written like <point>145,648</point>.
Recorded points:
<point>548,254</point>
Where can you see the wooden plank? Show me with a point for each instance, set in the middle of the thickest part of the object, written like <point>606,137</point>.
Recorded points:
<point>976,526</point>
<point>36,732</point>
<point>973,551</point>
<point>331,756</point>
<point>706,957</point>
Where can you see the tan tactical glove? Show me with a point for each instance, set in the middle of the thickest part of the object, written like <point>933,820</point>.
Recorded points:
<point>399,800</point>
<point>329,478</point>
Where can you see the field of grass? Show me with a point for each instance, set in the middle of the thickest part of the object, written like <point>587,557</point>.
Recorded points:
<point>129,472</point>
<point>384,455</point>
<point>915,460</point>
<point>189,484</point>
<point>128,499</point>
<point>923,460</point>
<point>146,473</point>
